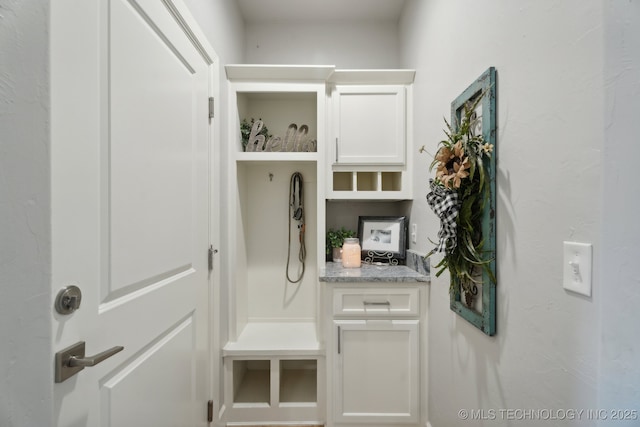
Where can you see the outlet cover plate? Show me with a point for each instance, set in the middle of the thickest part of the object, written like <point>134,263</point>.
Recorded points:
<point>577,267</point>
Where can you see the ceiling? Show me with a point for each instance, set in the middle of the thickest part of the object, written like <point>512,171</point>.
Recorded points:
<point>320,10</point>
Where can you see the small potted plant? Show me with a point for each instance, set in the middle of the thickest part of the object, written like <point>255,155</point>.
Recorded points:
<point>335,240</point>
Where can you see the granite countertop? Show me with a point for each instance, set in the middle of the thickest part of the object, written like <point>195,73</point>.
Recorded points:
<point>334,272</point>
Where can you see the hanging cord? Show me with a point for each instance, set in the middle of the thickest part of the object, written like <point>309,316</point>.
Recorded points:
<point>296,211</point>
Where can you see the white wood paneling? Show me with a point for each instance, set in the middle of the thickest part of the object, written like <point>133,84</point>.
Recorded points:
<point>151,150</point>
<point>155,379</point>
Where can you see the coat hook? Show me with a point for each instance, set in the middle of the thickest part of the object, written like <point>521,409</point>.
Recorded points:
<point>270,176</point>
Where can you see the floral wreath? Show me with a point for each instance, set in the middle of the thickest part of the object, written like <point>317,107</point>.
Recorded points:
<point>457,196</point>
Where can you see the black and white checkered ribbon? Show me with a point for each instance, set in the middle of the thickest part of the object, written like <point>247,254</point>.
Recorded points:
<point>445,204</point>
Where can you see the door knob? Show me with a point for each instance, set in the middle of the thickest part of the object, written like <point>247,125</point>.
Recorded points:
<point>72,360</point>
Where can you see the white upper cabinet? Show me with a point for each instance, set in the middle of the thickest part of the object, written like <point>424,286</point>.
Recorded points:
<point>370,124</point>
<point>370,138</point>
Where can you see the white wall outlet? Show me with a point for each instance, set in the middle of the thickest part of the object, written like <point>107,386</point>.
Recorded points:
<point>414,233</point>
<point>577,267</point>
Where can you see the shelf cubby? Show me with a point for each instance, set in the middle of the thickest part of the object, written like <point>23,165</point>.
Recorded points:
<point>391,181</point>
<point>298,381</point>
<point>342,181</point>
<point>270,389</point>
<point>362,184</point>
<point>367,181</point>
<point>251,382</point>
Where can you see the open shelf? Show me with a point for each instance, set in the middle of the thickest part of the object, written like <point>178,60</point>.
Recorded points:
<point>276,157</point>
<point>278,110</point>
<point>275,338</point>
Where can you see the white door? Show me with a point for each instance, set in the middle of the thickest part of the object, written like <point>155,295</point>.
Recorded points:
<point>130,194</point>
<point>377,375</point>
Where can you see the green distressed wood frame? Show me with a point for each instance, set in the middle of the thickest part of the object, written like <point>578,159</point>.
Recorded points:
<point>486,319</point>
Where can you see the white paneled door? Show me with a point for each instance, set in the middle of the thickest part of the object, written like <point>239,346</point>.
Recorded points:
<point>131,81</point>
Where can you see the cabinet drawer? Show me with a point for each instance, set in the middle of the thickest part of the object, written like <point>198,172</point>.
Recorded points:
<point>376,302</point>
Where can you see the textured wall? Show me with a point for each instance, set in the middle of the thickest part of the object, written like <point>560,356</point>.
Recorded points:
<point>549,58</point>
<point>26,372</point>
<point>344,44</point>
<point>619,385</point>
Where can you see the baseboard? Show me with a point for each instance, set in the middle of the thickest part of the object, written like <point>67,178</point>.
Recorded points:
<point>279,424</point>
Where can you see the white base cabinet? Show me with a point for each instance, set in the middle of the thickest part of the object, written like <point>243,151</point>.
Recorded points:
<point>375,356</point>
<point>376,371</point>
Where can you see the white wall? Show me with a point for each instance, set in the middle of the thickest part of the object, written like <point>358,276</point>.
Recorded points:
<point>223,26</point>
<point>344,44</point>
<point>26,371</point>
<point>549,59</point>
<point>619,379</point>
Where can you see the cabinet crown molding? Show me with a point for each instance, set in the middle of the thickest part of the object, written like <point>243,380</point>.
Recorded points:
<point>326,73</point>
<point>258,72</point>
<point>370,76</point>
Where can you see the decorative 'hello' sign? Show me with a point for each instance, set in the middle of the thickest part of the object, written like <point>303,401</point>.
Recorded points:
<point>294,140</point>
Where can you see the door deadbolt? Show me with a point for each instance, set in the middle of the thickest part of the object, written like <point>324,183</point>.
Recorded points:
<point>68,300</point>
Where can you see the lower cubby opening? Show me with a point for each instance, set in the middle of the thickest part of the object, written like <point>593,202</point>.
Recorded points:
<point>298,381</point>
<point>274,389</point>
<point>251,382</point>
<point>297,378</point>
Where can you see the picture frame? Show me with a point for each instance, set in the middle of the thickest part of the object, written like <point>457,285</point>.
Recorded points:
<point>383,238</point>
<point>483,313</point>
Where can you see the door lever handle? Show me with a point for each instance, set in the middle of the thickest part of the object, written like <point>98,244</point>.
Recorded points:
<point>94,360</point>
<point>72,360</point>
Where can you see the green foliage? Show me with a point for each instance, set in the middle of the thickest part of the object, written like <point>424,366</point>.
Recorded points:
<point>335,238</point>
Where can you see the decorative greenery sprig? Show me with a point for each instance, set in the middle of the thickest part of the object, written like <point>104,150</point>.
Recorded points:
<point>245,131</point>
<point>461,164</point>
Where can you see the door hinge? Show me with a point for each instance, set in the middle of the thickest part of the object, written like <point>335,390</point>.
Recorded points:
<point>211,253</point>
<point>211,107</point>
<point>210,411</point>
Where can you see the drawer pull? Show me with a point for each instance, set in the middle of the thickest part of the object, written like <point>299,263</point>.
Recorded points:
<point>387,303</point>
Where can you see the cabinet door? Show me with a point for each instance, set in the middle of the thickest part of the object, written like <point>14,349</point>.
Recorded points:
<point>370,124</point>
<point>376,374</point>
